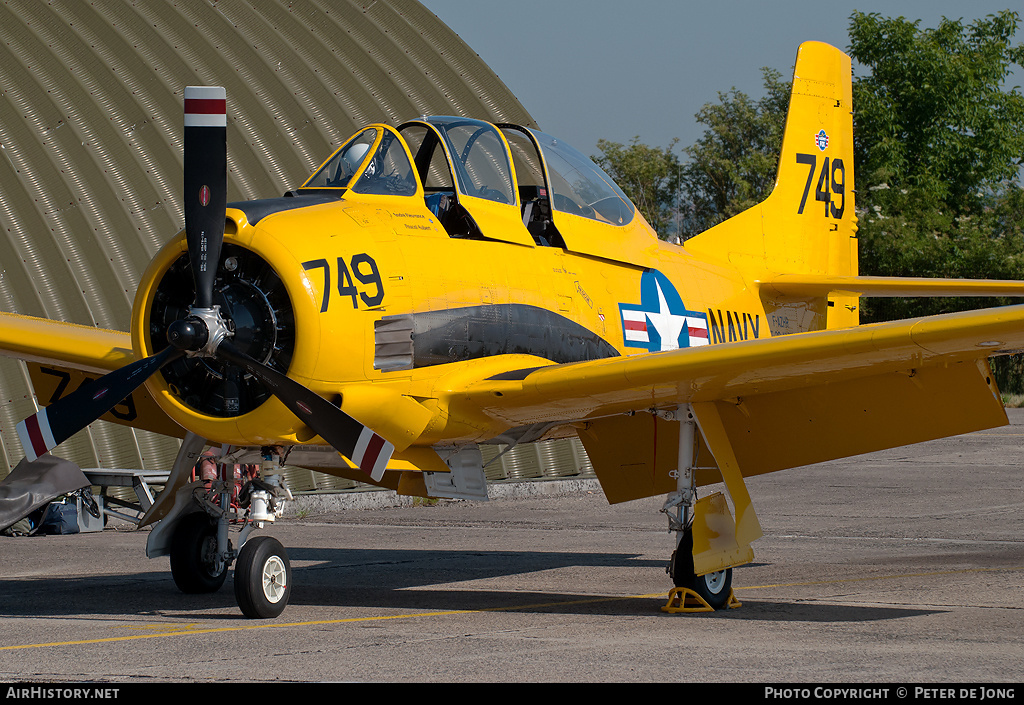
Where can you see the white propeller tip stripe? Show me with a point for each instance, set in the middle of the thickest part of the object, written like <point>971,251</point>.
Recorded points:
<point>382,462</point>
<point>372,453</point>
<point>205,92</point>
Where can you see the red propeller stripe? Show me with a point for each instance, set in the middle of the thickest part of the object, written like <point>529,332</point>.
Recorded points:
<point>372,453</point>
<point>35,436</point>
<point>206,106</point>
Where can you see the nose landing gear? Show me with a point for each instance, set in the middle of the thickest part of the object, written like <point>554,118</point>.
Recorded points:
<point>201,552</point>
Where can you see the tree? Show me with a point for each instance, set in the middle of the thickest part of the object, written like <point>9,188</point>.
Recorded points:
<point>931,116</point>
<point>730,168</point>
<point>648,175</point>
<point>938,146</point>
<point>733,165</point>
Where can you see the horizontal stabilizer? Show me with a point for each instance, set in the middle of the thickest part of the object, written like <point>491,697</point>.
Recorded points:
<point>814,285</point>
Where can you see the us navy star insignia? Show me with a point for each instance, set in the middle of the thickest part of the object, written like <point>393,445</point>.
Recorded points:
<point>661,321</point>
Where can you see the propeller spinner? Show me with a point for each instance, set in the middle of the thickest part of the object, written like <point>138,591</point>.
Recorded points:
<point>204,332</point>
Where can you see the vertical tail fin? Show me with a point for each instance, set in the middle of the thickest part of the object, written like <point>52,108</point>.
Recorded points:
<point>807,225</point>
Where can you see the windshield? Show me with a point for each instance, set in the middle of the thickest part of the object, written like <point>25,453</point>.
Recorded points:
<point>389,173</point>
<point>580,187</point>
<point>338,170</point>
<point>481,161</point>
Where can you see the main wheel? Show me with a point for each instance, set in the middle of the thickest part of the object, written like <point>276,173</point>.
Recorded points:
<point>263,578</point>
<point>713,588</point>
<point>193,550</point>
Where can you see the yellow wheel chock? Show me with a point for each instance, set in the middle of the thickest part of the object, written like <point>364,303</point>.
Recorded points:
<point>682,599</point>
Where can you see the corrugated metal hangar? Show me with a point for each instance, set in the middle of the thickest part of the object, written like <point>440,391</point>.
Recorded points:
<point>91,138</point>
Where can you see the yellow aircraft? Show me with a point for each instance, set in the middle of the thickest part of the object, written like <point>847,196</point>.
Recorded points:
<point>451,282</point>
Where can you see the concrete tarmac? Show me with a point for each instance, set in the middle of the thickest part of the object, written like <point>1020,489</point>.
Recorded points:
<point>898,567</point>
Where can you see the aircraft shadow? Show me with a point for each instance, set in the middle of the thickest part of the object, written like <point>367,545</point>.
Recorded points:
<point>399,579</point>
<point>771,611</point>
<point>337,577</point>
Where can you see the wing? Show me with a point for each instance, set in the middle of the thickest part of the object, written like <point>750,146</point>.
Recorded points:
<point>65,344</point>
<point>61,357</point>
<point>782,402</point>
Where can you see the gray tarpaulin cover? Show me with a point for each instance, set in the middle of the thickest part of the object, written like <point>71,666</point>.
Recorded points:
<point>32,485</point>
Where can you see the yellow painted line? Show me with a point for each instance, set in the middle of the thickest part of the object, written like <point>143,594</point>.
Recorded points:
<point>159,627</point>
<point>164,631</point>
<point>189,632</point>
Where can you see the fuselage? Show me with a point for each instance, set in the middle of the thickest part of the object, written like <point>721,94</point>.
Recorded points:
<point>386,287</point>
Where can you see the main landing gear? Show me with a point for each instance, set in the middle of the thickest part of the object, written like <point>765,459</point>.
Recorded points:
<point>263,573</point>
<point>713,588</point>
<point>200,549</point>
<point>710,590</point>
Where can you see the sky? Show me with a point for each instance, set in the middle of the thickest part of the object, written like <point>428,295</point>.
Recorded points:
<point>617,69</point>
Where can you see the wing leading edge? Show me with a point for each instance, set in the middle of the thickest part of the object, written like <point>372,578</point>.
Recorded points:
<point>65,344</point>
<point>783,401</point>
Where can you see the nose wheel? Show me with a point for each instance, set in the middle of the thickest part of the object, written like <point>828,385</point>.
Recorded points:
<point>263,578</point>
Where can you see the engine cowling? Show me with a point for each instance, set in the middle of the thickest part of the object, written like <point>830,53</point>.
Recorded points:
<point>259,291</point>
<point>253,300</point>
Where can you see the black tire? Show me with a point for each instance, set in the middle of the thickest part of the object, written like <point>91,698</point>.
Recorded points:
<point>193,547</point>
<point>714,588</point>
<point>261,568</point>
<point>680,568</point>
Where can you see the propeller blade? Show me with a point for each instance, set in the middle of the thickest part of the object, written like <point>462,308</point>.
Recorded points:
<point>206,184</point>
<point>54,424</point>
<point>352,439</point>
